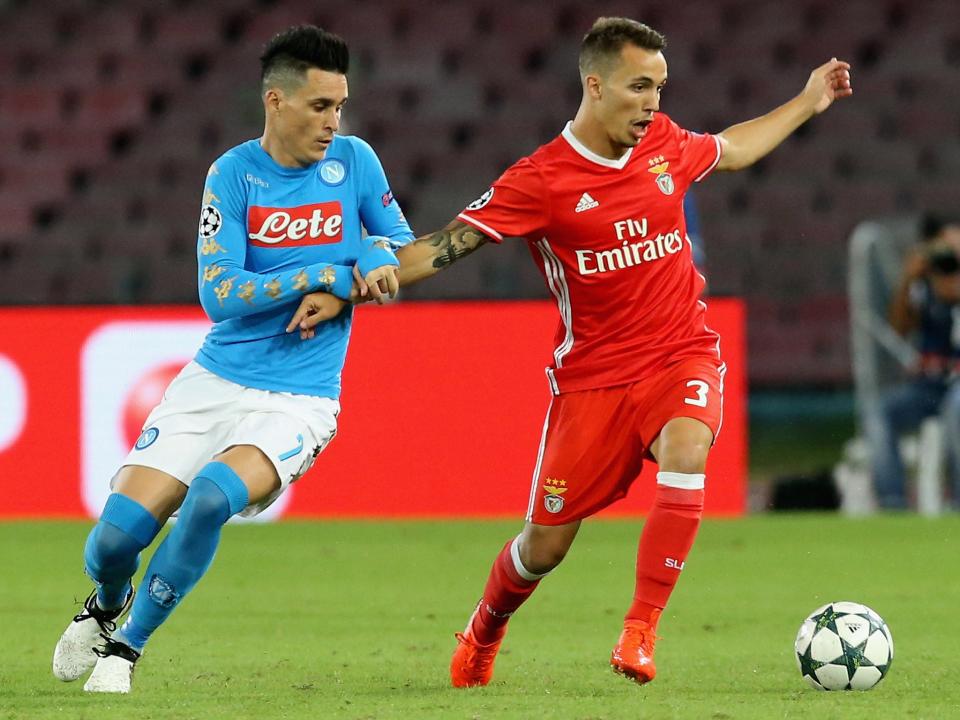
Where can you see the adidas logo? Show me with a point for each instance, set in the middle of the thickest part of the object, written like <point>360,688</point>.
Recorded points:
<point>586,203</point>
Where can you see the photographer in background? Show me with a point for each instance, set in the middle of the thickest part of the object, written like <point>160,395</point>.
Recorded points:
<point>926,309</point>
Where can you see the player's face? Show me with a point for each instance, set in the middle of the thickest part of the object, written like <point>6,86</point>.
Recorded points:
<point>307,118</point>
<point>630,95</point>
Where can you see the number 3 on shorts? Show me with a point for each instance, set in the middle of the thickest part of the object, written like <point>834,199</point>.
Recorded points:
<point>700,388</point>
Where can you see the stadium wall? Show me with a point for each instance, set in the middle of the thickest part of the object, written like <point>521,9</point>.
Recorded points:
<point>443,407</point>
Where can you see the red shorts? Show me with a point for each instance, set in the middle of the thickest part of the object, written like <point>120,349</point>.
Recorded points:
<point>595,441</point>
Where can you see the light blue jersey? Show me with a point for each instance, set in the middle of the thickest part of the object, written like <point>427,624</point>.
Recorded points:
<point>270,234</point>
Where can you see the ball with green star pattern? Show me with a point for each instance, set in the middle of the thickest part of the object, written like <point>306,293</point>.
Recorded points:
<point>844,646</point>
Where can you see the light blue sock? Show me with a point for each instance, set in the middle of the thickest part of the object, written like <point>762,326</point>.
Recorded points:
<point>112,553</point>
<point>183,557</point>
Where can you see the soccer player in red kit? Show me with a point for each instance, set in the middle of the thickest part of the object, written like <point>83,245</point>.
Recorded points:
<point>636,374</point>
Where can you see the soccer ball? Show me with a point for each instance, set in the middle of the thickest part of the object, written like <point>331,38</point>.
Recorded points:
<point>844,646</point>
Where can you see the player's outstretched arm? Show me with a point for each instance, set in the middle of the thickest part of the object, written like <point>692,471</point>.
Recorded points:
<point>425,256</point>
<point>429,254</point>
<point>745,143</point>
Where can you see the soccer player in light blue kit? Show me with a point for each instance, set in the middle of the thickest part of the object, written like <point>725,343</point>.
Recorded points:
<point>283,215</point>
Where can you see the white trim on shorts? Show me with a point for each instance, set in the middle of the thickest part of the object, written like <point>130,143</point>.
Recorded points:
<point>539,466</point>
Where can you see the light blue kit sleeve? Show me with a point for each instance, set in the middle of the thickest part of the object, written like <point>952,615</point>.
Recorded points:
<point>379,210</point>
<point>227,288</point>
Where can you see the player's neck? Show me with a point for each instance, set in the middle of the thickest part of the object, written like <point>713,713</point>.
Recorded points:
<point>594,137</point>
<point>273,147</point>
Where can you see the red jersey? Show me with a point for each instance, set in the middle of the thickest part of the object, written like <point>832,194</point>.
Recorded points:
<point>610,239</point>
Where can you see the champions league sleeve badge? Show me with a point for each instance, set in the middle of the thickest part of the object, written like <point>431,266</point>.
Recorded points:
<point>481,201</point>
<point>210,221</point>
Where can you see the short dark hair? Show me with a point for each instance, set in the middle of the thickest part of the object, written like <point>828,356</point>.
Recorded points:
<point>290,53</point>
<point>607,37</point>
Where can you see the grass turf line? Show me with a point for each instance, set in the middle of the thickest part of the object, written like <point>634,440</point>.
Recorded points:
<point>356,620</point>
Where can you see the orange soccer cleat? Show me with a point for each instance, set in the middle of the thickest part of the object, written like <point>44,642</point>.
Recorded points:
<point>633,655</point>
<point>472,663</point>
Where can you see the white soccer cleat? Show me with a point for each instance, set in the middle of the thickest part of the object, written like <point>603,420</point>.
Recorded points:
<point>74,654</point>
<point>114,670</point>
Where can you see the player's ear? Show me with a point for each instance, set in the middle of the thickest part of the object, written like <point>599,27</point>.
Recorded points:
<point>593,86</point>
<point>272,99</point>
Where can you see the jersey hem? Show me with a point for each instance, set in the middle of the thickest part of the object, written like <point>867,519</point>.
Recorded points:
<point>561,386</point>
<point>324,391</point>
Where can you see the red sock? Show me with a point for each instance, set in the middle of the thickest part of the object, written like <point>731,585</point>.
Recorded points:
<point>506,590</point>
<point>666,539</point>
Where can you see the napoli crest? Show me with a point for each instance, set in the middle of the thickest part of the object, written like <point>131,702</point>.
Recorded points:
<point>333,172</point>
<point>147,438</point>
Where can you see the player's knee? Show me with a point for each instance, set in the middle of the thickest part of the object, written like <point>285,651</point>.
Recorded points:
<point>113,546</point>
<point>539,561</point>
<point>683,446</point>
<point>691,463</point>
<point>542,552</point>
<point>215,494</point>
<point>205,505</point>
<point>549,557</point>
<point>686,455</point>
<point>110,552</point>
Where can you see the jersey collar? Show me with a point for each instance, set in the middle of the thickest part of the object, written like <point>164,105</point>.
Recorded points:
<point>589,154</point>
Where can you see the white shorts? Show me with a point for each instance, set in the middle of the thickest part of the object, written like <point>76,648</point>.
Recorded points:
<point>202,414</point>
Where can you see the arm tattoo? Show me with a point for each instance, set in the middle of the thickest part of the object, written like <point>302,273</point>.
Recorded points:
<point>455,241</point>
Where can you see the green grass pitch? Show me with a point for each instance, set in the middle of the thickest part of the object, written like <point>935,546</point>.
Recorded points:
<point>356,620</point>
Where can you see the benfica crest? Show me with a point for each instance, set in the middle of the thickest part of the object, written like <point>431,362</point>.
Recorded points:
<point>664,179</point>
<point>553,500</point>
<point>553,503</point>
<point>665,183</point>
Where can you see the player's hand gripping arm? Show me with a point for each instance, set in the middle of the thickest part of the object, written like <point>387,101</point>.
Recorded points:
<point>425,256</point>
<point>244,292</point>
<point>745,143</point>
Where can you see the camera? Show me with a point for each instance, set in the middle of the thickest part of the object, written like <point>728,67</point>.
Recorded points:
<point>943,260</point>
